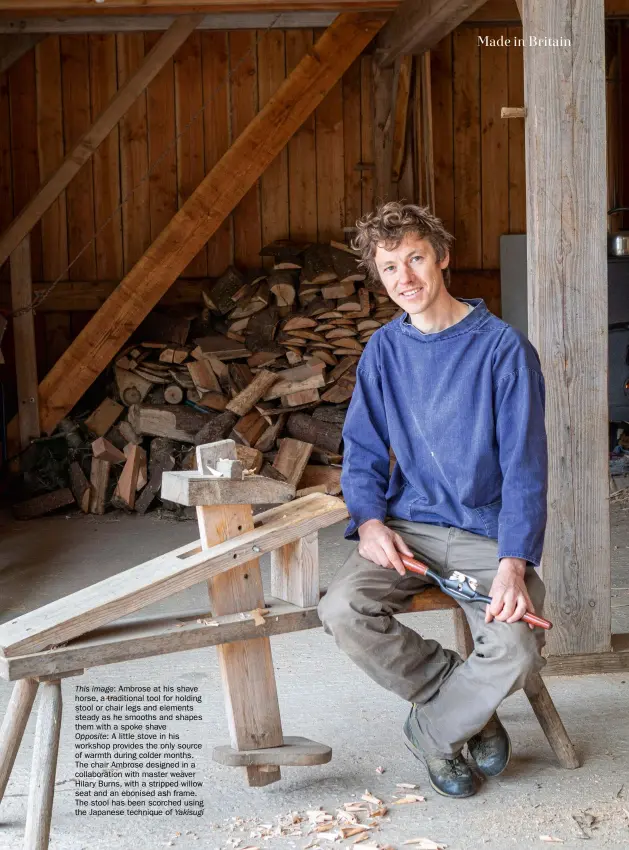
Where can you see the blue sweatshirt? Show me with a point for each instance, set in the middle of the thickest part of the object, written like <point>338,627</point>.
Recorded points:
<point>463,411</point>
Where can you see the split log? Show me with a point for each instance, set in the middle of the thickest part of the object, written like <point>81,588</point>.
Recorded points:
<point>325,435</point>
<point>220,347</point>
<point>44,504</point>
<point>133,387</point>
<point>292,458</point>
<point>251,459</point>
<point>104,450</point>
<point>174,355</point>
<point>330,476</point>
<point>101,420</point>
<point>219,297</point>
<point>266,442</point>
<point>214,401</point>
<point>250,427</point>
<point>124,494</point>
<point>247,398</point>
<point>339,289</point>
<point>203,377</point>
<point>99,481</point>
<point>216,429</point>
<point>318,266</point>
<point>128,433</point>
<point>177,422</point>
<point>162,459</point>
<point>80,486</point>
<point>173,394</point>
<point>297,399</point>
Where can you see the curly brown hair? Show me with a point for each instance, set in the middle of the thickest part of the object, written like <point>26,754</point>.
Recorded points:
<point>388,226</point>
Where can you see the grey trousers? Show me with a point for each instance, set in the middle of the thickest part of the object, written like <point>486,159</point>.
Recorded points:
<point>454,698</point>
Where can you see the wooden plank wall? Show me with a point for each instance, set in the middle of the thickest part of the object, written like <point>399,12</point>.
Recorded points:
<point>321,183</point>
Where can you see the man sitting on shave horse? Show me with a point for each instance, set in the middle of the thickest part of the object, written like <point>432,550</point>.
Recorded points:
<point>458,395</point>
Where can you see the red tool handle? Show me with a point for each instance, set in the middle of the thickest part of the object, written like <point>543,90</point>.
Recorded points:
<point>417,567</point>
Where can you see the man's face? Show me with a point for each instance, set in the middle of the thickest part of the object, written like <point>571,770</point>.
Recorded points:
<point>411,274</point>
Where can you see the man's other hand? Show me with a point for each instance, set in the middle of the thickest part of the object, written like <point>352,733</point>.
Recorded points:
<point>510,599</point>
<point>382,545</point>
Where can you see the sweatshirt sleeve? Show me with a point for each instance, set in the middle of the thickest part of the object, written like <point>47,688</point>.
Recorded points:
<point>365,475</point>
<point>521,435</point>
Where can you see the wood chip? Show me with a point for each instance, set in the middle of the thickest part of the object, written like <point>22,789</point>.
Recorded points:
<point>406,785</point>
<point>369,798</point>
<point>425,844</point>
<point>549,839</point>
<point>258,615</point>
<point>409,798</point>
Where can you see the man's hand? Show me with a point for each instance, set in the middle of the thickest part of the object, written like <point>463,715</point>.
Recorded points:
<point>510,599</point>
<point>381,545</point>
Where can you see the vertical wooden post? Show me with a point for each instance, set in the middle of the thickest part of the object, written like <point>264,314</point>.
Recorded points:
<point>383,133</point>
<point>295,571</point>
<point>24,333</point>
<point>42,786</point>
<point>13,726</point>
<point>567,307</point>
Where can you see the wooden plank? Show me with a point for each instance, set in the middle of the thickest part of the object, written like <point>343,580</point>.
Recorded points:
<point>109,23</point>
<point>244,106</point>
<point>402,91</point>
<point>13,47</point>
<point>567,274</point>
<point>494,94</point>
<point>424,69</point>
<point>352,156</point>
<point>190,489</point>
<point>82,138</point>
<point>291,460</point>
<point>302,155</point>
<point>163,7</point>
<point>50,147</point>
<point>295,572</point>
<point>217,135</point>
<point>80,190</point>
<point>274,181</point>
<point>24,153</point>
<point>443,128</point>
<point>103,88</point>
<point>136,234</point>
<point>161,577</point>
<point>467,153</point>
<point>416,27</point>
<point>101,419</point>
<point>24,340</point>
<point>144,637</point>
<point>366,134</point>
<point>330,166</point>
<point>6,170</point>
<point>160,117</point>
<point>382,133</point>
<point>190,153</point>
<point>198,219</point>
<point>517,173</point>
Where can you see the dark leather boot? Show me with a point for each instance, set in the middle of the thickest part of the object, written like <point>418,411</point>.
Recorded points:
<point>449,777</point>
<point>491,748</point>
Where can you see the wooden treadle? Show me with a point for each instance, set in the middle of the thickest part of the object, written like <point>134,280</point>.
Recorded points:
<point>298,752</point>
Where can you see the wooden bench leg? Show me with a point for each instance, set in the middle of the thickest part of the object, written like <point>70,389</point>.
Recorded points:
<point>464,642</point>
<point>549,720</point>
<point>42,786</point>
<point>13,726</point>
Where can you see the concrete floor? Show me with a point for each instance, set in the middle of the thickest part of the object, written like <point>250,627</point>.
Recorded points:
<point>324,697</point>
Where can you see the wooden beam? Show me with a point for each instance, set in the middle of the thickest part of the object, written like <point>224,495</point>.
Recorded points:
<point>24,337</point>
<point>161,577</point>
<point>156,23</point>
<point>567,309</point>
<point>73,8</point>
<point>203,212</point>
<point>13,47</point>
<point>89,142</point>
<point>418,25</point>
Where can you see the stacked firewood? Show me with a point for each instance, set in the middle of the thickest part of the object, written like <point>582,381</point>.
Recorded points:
<point>274,369</point>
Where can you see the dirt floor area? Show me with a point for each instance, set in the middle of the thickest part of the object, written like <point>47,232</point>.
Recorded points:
<point>324,697</point>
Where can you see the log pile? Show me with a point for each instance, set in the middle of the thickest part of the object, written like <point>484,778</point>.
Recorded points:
<point>270,363</point>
